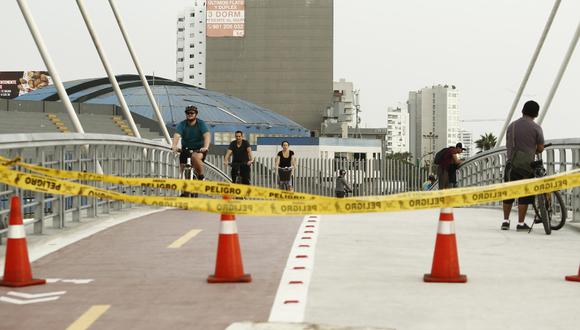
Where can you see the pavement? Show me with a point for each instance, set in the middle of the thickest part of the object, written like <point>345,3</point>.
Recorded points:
<point>364,271</point>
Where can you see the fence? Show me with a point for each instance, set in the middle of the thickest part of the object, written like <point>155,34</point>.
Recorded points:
<point>318,176</point>
<point>113,154</point>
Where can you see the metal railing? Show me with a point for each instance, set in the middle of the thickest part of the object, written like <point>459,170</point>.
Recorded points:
<point>318,176</point>
<point>114,154</point>
<point>488,167</point>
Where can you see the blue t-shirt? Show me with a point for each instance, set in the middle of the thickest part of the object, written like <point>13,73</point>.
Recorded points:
<point>192,136</point>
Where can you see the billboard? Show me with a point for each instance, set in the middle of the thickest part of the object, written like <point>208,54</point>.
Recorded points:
<point>225,18</point>
<point>16,83</point>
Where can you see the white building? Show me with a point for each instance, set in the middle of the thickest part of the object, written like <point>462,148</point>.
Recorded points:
<point>397,130</point>
<point>191,45</point>
<point>433,120</point>
<point>342,112</point>
<point>466,138</point>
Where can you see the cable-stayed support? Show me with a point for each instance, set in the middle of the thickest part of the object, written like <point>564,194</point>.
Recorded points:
<point>528,71</point>
<point>563,68</point>
<point>141,75</point>
<point>107,67</point>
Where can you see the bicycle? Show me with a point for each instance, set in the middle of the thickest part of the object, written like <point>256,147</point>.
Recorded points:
<point>189,172</point>
<point>285,178</point>
<point>236,167</point>
<point>551,215</point>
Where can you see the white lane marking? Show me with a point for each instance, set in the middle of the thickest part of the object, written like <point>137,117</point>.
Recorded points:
<point>184,239</point>
<point>33,296</point>
<point>290,302</point>
<point>75,281</point>
<point>25,302</point>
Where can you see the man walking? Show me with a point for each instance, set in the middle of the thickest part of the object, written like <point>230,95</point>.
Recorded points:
<point>524,139</point>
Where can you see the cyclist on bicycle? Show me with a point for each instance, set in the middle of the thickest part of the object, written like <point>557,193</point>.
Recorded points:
<point>286,164</point>
<point>242,158</point>
<point>195,139</point>
<point>524,139</point>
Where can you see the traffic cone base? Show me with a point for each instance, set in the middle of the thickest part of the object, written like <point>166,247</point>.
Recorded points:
<point>573,278</point>
<point>432,279</point>
<point>32,281</point>
<point>246,278</point>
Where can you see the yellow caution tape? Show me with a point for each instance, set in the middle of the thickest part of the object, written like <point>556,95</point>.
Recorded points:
<point>193,186</point>
<point>399,202</point>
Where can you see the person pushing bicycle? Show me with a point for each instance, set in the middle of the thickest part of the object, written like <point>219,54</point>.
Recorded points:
<point>524,139</point>
<point>195,140</point>
<point>241,153</point>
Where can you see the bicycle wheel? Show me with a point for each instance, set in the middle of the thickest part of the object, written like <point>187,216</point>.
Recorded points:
<point>543,203</point>
<point>556,210</point>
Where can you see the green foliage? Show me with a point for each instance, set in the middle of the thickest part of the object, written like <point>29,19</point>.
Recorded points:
<point>486,142</point>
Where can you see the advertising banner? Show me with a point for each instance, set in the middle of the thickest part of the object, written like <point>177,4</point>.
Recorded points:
<point>225,18</point>
<point>16,83</point>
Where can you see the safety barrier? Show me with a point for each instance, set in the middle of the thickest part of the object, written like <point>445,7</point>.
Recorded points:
<point>487,167</point>
<point>116,155</point>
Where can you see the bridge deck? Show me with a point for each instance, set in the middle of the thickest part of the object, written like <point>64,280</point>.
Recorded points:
<point>368,272</point>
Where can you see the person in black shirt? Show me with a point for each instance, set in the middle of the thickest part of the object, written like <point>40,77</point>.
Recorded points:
<point>286,164</point>
<point>242,158</point>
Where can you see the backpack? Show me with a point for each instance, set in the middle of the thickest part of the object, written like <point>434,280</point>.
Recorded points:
<point>439,156</point>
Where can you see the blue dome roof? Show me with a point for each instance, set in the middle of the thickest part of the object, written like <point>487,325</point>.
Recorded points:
<point>172,97</point>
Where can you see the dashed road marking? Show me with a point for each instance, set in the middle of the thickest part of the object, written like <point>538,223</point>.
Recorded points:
<point>290,302</point>
<point>89,317</point>
<point>184,239</point>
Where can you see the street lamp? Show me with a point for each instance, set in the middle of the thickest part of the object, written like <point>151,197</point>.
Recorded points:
<point>432,138</point>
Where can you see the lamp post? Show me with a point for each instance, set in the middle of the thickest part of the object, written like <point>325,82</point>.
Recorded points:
<point>431,137</point>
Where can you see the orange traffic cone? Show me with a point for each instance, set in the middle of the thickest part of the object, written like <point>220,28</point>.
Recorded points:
<point>17,268</point>
<point>445,261</point>
<point>229,267</point>
<point>575,278</point>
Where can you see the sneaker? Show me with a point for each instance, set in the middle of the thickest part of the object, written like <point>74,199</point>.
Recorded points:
<point>523,227</point>
<point>505,225</point>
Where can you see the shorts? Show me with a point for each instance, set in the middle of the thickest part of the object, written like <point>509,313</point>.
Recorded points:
<point>510,175</point>
<point>185,152</point>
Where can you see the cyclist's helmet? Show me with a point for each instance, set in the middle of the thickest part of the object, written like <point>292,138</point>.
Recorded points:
<point>342,172</point>
<point>191,108</point>
<point>431,177</point>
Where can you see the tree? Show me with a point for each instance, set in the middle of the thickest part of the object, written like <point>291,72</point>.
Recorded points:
<point>486,142</point>
<point>402,156</point>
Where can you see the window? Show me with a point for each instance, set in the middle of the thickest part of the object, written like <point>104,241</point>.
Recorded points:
<point>179,49</point>
<point>191,77</point>
<point>180,30</point>
<point>191,55</point>
<point>191,66</point>
<point>180,19</point>
<point>191,45</point>
<point>179,60</point>
<point>192,14</point>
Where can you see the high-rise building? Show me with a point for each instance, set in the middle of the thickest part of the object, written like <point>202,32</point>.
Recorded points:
<point>276,53</point>
<point>433,120</point>
<point>191,45</point>
<point>397,130</point>
<point>466,138</point>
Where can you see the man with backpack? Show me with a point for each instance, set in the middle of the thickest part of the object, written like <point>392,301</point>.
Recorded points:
<point>447,162</point>
<point>524,139</point>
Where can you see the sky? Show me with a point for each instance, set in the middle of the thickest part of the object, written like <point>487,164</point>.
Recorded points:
<point>385,47</point>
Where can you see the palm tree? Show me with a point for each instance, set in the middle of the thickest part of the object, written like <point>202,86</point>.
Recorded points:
<point>486,142</point>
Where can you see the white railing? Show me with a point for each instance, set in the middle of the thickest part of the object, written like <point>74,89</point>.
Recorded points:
<point>318,176</point>
<point>488,167</point>
<point>115,154</point>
